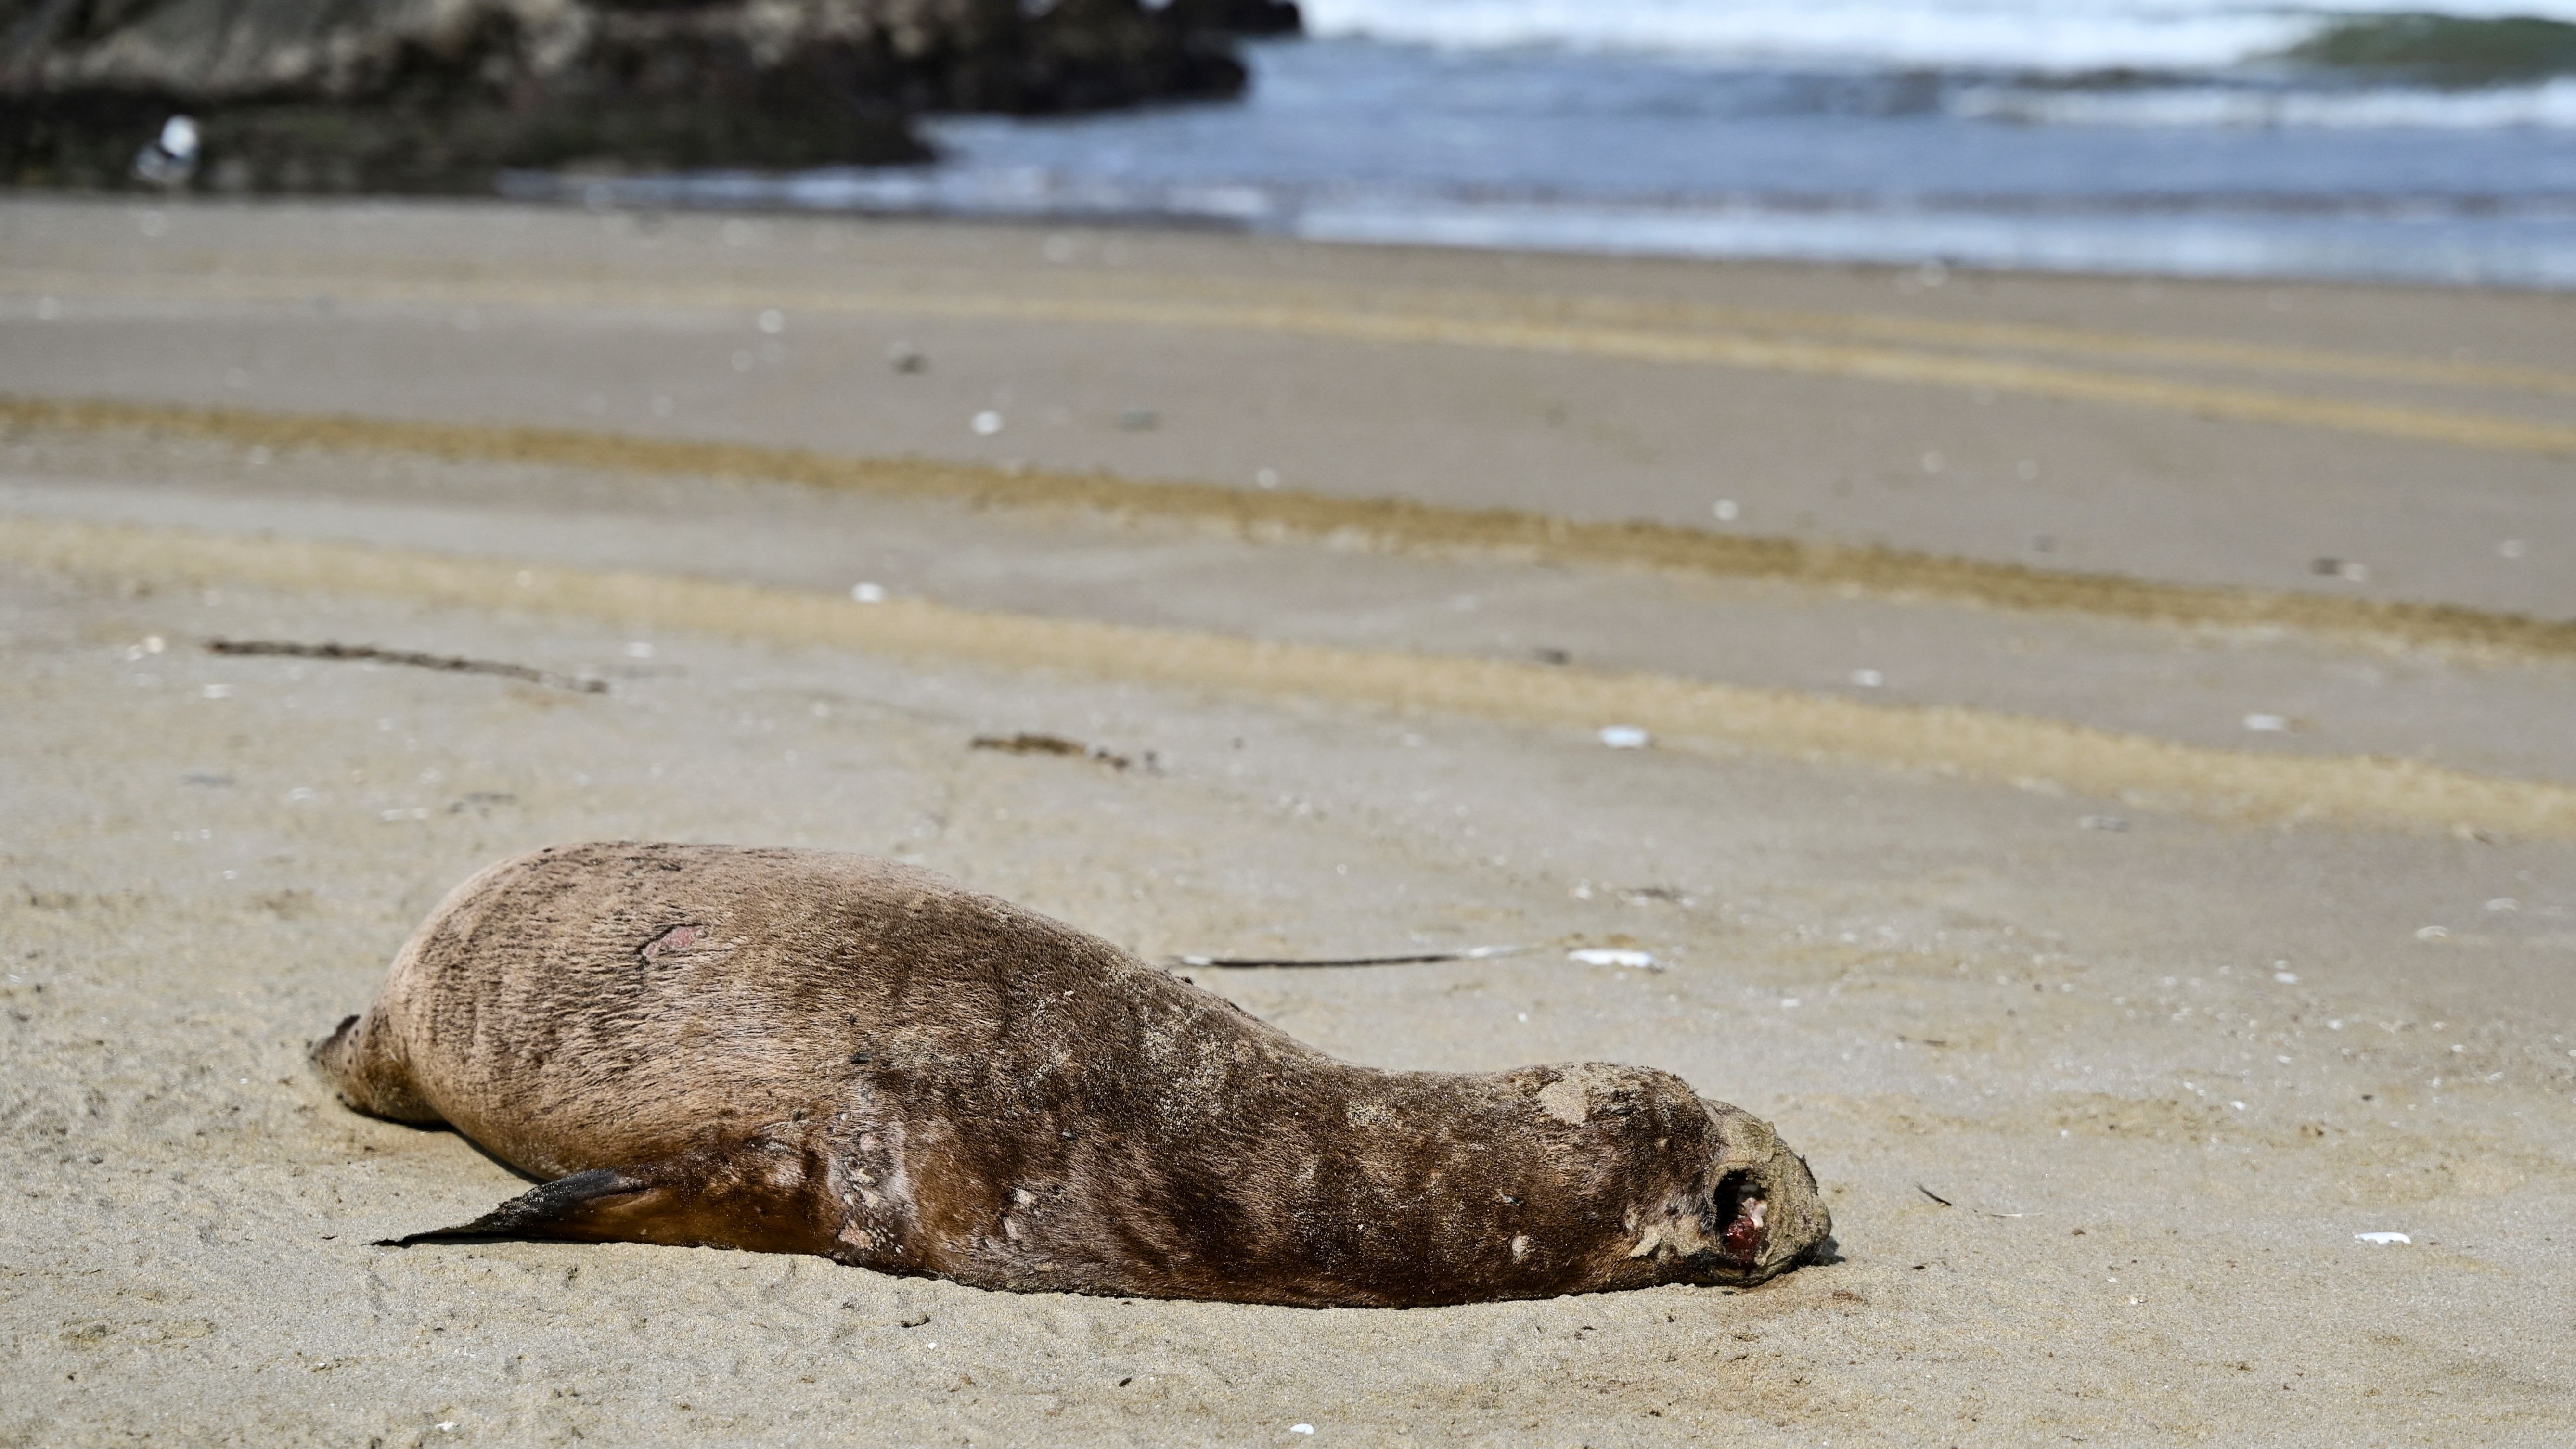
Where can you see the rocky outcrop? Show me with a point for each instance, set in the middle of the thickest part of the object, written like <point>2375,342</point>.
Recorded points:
<point>1237,17</point>
<point>439,94</point>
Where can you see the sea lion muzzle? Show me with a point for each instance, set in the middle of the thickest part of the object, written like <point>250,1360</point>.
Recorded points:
<point>792,1051</point>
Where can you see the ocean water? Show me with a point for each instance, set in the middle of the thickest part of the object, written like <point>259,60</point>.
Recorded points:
<point>2188,137</point>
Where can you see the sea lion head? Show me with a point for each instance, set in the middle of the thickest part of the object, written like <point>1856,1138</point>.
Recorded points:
<point>1751,1214</point>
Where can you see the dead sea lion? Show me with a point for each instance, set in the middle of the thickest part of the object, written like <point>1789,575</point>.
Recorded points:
<point>796,1052</point>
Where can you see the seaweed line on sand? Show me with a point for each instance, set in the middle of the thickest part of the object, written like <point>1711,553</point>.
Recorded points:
<point>1685,714</point>
<point>1394,525</point>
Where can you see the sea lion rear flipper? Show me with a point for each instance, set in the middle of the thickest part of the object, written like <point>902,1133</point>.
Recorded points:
<point>759,1195</point>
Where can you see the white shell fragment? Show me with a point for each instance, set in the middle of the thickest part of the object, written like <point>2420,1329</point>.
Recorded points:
<point>2383,1239</point>
<point>1599,956</point>
<point>1625,737</point>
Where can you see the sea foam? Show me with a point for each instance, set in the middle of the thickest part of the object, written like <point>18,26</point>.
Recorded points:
<point>2039,35</point>
<point>2551,106</point>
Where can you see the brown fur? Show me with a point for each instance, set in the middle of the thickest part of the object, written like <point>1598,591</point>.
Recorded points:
<point>799,1052</point>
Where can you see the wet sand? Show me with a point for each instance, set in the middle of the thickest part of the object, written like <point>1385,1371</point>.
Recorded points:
<point>1982,896</point>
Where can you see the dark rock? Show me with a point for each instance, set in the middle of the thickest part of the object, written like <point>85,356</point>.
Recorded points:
<point>2454,50</point>
<point>436,95</point>
<point>1237,17</point>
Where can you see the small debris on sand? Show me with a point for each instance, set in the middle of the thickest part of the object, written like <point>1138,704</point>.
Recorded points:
<point>1424,958</point>
<point>1981,1212</point>
<point>1625,737</point>
<point>2382,1239</point>
<point>1599,956</point>
<point>1035,744</point>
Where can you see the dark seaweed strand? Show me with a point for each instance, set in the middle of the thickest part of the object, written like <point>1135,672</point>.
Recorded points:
<point>447,663</point>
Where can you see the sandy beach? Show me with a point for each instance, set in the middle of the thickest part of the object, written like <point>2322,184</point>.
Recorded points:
<point>2111,801</point>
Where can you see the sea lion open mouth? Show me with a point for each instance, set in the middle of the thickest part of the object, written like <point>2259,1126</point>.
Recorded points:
<point>1742,1218</point>
<point>788,1051</point>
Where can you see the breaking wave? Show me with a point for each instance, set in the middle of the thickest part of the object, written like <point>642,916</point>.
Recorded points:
<point>2050,36</point>
<point>2551,106</point>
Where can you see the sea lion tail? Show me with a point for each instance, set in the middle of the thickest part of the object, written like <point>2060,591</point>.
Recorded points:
<point>761,1195</point>
<point>332,1051</point>
<point>353,1060</point>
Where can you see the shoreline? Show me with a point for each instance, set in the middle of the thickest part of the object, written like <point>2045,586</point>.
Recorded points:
<point>571,193</point>
<point>1690,232</point>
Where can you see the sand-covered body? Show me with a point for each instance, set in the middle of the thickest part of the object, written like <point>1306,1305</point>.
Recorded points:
<point>835,1054</point>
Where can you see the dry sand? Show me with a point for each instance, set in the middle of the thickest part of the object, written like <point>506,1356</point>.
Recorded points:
<point>2167,1017</point>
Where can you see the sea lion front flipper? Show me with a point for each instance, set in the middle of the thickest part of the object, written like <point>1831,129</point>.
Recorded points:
<point>761,1195</point>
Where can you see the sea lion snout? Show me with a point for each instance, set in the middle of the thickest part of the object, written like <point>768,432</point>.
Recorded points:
<point>1762,1214</point>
